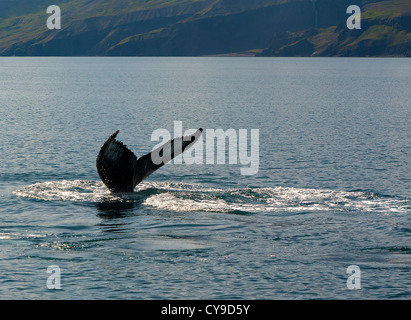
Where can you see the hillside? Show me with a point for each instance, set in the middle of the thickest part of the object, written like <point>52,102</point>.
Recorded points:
<point>204,27</point>
<point>385,31</point>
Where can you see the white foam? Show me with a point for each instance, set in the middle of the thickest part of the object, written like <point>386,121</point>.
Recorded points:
<point>66,190</point>
<point>191,197</point>
<point>278,199</point>
<point>169,201</point>
<point>20,236</point>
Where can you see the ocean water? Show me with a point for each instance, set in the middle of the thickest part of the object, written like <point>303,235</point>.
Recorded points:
<point>333,187</point>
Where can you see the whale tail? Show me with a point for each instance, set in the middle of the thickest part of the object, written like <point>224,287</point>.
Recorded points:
<point>121,171</point>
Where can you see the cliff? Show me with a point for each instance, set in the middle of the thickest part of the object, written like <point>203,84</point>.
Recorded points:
<point>205,27</point>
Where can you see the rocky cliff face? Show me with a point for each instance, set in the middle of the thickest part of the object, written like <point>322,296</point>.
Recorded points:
<point>385,31</point>
<point>204,27</point>
<point>218,32</point>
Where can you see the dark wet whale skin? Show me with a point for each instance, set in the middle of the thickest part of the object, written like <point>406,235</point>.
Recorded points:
<point>121,171</point>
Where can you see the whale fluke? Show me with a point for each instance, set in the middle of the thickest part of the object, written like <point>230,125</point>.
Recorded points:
<point>121,171</point>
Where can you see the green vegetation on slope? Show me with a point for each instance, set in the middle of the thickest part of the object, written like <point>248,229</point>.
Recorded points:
<point>385,31</point>
<point>206,27</point>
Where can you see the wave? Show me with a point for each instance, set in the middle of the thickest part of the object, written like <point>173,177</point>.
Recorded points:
<point>192,197</point>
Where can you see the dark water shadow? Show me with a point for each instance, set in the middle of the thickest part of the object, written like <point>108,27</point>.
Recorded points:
<point>113,210</point>
<point>124,205</point>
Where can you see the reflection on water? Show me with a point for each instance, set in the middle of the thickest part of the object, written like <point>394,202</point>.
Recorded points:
<point>116,209</point>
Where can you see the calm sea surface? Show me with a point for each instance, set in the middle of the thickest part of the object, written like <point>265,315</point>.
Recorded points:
<point>333,187</point>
